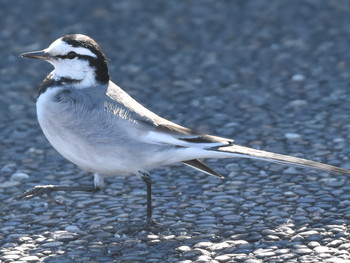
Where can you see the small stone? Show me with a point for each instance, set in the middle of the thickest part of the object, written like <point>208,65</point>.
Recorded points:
<point>339,140</point>
<point>25,207</point>
<point>8,184</point>
<point>313,244</point>
<point>272,238</point>
<point>239,243</point>
<point>306,200</point>
<point>335,243</point>
<point>74,229</point>
<point>50,222</point>
<point>232,167</point>
<point>323,249</point>
<point>290,170</point>
<point>297,103</point>
<point>7,245</point>
<point>65,237</point>
<point>220,246</point>
<point>8,168</point>
<point>232,219</point>
<point>336,183</point>
<point>345,246</point>
<point>303,251</point>
<point>192,254</point>
<point>263,253</point>
<point>292,136</point>
<point>184,249</point>
<point>19,176</point>
<point>30,259</point>
<point>151,236</point>
<point>282,251</point>
<point>289,194</point>
<point>205,259</point>
<point>309,233</point>
<point>223,258</point>
<point>10,258</point>
<point>169,237</point>
<point>287,256</point>
<point>298,78</point>
<point>24,239</point>
<point>52,244</point>
<point>252,260</point>
<point>203,244</point>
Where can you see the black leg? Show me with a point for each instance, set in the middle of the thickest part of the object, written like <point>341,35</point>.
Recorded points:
<point>147,179</point>
<point>47,189</point>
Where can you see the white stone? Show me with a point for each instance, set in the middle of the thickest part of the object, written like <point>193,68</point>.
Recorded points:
<point>292,136</point>
<point>298,77</point>
<point>72,229</point>
<point>18,176</point>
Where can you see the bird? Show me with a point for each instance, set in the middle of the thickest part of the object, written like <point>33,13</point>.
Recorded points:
<point>96,125</point>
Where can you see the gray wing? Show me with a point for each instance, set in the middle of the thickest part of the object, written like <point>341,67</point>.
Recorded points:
<point>121,103</point>
<point>137,113</point>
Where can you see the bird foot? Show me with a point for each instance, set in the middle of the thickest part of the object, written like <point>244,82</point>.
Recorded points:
<point>39,190</point>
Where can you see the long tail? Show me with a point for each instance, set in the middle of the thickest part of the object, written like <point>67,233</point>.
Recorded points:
<point>246,152</point>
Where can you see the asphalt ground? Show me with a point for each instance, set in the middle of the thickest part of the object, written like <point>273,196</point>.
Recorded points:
<point>272,74</point>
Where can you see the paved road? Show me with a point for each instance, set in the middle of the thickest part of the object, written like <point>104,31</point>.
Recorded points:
<point>272,74</point>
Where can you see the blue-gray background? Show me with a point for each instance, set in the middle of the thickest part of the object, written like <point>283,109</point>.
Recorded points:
<point>270,74</point>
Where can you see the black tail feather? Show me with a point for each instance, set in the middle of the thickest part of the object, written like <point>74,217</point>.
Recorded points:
<point>199,165</point>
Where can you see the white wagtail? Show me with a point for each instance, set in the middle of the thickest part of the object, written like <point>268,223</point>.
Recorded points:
<point>96,125</point>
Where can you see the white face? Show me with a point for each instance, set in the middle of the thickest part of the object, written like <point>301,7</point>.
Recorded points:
<point>77,69</point>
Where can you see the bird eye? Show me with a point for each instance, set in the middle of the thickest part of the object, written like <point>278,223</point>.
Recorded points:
<point>71,55</point>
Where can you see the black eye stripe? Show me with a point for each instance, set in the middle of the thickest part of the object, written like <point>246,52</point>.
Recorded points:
<point>86,57</point>
<point>69,55</point>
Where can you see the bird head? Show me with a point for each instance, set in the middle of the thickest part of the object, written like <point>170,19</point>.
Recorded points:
<point>77,58</point>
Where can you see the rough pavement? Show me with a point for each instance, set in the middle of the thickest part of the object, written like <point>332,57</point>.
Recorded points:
<point>273,75</point>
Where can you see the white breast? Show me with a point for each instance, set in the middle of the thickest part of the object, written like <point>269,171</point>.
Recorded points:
<point>54,121</point>
<point>51,120</point>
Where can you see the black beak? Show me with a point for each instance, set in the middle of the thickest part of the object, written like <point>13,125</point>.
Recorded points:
<point>36,54</point>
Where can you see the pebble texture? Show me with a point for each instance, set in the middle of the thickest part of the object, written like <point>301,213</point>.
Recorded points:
<point>273,75</point>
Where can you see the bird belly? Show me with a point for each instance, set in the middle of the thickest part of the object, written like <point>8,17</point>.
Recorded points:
<point>80,152</point>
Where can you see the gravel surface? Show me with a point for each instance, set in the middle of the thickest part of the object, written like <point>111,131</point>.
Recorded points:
<point>273,74</point>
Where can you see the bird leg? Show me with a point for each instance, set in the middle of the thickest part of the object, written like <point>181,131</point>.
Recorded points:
<point>147,179</point>
<point>40,190</point>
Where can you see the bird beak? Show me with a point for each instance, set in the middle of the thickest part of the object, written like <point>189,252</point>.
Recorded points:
<point>36,54</point>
